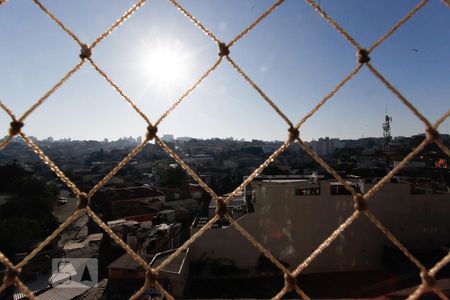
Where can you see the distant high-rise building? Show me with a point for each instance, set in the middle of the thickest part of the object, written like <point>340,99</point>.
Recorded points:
<point>33,138</point>
<point>168,138</point>
<point>326,146</point>
<point>182,139</point>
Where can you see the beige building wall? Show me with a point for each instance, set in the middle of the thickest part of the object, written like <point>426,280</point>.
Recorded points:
<point>292,226</point>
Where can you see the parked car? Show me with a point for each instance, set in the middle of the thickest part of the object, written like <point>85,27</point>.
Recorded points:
<point>62,200</point>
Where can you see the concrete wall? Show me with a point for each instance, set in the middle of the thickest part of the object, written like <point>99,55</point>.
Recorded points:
<point>121,274</point>
<point>177,281</point>
<point>292,227</point>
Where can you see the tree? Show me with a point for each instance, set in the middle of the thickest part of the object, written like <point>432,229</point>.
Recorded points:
<point>274,170</point>
<point>26,217</point>
<point>175,177</point>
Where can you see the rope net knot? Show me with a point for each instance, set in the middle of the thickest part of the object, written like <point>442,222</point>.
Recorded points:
<point>221,208</point>
<point>289,281</point>
<point>85,52</point>
<point>294,134</point>
<point>10,275</point>
<point>151,275</point>
<point>224,50</point>
<point>360,203</point>
<point>363,56</point>
<point>432,134</point>
<point>428,279</point>
<point>83,201</point>
<point>151,132</point>
<point>15,128</point>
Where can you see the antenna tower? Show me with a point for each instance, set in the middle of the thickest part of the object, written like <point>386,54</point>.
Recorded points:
<point>387,136</point>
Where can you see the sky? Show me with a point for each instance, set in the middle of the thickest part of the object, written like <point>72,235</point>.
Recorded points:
<point>293,55</point>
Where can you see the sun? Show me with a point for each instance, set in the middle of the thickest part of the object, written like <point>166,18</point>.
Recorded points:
<point>165,64</point>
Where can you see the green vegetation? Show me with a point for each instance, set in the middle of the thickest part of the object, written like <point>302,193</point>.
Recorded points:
<point>175,178</point>
<point>26,216</point>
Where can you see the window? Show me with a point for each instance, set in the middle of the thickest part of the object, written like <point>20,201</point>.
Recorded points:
<point>307,191</point>
<point>336,188</point>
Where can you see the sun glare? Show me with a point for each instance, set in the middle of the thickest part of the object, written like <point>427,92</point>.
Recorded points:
<point>165,65</point>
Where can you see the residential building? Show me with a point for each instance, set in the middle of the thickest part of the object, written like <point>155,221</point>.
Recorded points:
<point>293,216</point>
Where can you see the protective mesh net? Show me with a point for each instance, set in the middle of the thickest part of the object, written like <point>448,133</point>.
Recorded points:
<point>12,274</point>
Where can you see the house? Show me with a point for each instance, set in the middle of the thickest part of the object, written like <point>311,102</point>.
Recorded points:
<point>85,248</point>
<point>174,276</point>
<point>139,210</point>
<point>126,268</point>
<point>167,215</point>
<point>143,193</point>
<point>146,238</point>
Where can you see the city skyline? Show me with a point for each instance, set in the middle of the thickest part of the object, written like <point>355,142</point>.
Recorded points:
<point>293,55</point>
<point>164,137</point>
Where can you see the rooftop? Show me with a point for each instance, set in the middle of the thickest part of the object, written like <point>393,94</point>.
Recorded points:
<point>64,293</point>
<point>126,262</point>
<point>137,192</point>
<point>173,267</point>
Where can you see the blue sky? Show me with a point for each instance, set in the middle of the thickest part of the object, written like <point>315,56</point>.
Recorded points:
<point>293,55</point>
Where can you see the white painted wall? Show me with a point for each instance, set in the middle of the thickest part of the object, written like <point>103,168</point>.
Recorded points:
<point>292,227</point>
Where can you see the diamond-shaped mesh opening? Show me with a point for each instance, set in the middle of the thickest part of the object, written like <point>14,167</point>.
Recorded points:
<point>88,110</point>
<point>95,18</point>
<point>53,266</point>
<point>27,157</point>
<point>216,274</point>
<point>215,260</point>
<point>219,105</point>
<point>124,282</point>
<point>364,26</point>
<point>225,20</point>
<point>362,199</point>
<point>294,75</point>
<point>280,207</point>
<point>30,76</point>
<point>353,247</point>
<point>364,102</point>
<point>426,173</point>
<point>153,36</point>
<point>99,158</point>
<point>127,254</point>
